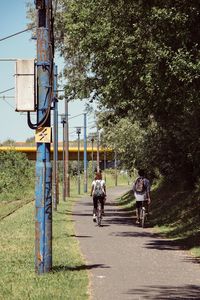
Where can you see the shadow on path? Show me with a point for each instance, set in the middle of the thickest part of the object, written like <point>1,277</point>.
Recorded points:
<point>62,268</point>
<point>185,292</point>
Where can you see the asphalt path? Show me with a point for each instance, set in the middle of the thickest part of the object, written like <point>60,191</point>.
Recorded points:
<point>125,261</point>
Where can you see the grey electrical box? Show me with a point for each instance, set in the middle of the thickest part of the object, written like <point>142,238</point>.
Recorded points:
<point>25,85</point>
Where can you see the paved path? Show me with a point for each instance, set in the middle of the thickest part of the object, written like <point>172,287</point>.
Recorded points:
<point>128,262</point>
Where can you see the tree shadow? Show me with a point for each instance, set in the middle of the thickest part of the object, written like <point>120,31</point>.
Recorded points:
<point>185,243</point>
<point>82,214</point>
<point>62,268</point>
<point>80,236</point>
<point>185,292</point>
<point>133,234</point>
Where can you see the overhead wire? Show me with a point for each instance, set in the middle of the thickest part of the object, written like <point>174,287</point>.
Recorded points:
<point>7,90</point>
<point>14,34</point>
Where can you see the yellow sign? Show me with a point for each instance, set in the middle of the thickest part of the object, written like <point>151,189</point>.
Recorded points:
<point>43,135</point>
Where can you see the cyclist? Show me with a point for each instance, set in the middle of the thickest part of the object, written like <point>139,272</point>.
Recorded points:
<point>141,189</point>
<point>98,192</point>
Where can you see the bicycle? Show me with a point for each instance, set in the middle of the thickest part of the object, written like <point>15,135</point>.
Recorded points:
<point>143,214</point>
<point>99,213</point>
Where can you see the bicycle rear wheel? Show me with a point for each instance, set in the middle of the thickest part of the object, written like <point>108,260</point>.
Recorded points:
<point>99,214</point>
<point>143,217</point>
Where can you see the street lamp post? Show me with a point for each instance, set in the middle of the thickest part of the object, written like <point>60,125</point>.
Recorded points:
<point>115,168</point>
<point>98,161</point>
<point>85,153</point>
<point>67,190</point>
<point>63,121</point>
<point>92,140</point>
<point>78,131</point>
<point>105,165</point>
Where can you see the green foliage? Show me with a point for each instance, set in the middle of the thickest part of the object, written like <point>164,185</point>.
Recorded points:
<point>17,173</point>
<point>139,59</point>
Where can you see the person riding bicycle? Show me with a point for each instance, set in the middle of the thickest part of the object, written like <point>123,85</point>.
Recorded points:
<point>141,189</point>
<point>98,192</point>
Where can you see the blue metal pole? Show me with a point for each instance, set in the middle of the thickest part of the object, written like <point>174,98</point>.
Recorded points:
<point>43,203</point>
<point>85,153</point>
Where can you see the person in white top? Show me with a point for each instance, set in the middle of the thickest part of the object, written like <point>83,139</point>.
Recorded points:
<point>98,192</point>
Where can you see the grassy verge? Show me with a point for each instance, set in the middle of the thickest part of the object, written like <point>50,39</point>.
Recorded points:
<point>17,277</point>
<point>175,214</point>
<point>69,277</point>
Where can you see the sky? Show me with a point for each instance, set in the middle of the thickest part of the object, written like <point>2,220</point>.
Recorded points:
<point>13,125</point>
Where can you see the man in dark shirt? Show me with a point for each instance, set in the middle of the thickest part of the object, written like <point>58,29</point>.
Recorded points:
<point>141,189</point>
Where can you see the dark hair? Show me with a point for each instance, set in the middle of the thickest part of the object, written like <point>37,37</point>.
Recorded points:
<point>141,173</point>
<point>98,175</point>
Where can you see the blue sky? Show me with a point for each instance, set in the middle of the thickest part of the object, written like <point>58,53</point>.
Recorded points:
<point>13,125</point>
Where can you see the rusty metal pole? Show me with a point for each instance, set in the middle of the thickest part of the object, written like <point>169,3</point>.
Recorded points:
<point>78,131</point>
<point>67,178</point>
<point>43,190</point>
<point>85,153</point>
<point>98,161</point>
<point>115,168</point>
<point>63,121</point>
<point>105,165</point>
<point>55,143</point>
<point>92,140</point>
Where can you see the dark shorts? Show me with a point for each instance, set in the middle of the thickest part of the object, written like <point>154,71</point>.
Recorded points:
<point>140,203</point>
<point>101,199</point>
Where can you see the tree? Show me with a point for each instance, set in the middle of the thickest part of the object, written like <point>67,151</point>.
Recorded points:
<point>140,59</point>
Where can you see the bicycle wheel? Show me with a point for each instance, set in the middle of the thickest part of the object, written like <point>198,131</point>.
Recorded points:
<point>99,216</point>
<point>143,217</point>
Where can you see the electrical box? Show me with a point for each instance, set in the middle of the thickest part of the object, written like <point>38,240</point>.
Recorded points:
<point>25,85</point>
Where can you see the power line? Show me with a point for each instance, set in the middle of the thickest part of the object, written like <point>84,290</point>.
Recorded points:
<point>75,116</point>
<point>8,102</point>
<point>7,90</point>
<point>7,37</point>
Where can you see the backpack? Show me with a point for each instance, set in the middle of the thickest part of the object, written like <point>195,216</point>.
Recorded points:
<point>98,190</point>
<point>139,185</point>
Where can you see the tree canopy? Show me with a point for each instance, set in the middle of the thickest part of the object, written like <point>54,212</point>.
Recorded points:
<point>141,60</point>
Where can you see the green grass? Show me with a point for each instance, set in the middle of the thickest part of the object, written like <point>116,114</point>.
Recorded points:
<point>69,278</point>
<point>17,277</point>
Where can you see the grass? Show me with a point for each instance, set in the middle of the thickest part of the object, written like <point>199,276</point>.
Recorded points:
<point>69,277</point>
<point>17,277</point>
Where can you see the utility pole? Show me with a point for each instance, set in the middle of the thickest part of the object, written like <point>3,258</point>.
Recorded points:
<point>78,131</point>
<point>67,150</point>
<point>105,165</point>
<point>115,168</point>
<point>43,203</point>
<point>85,153</point>
<point>98,162</point>
<point>55,143</point>
<point>92,140</point>
<point>63,121</point>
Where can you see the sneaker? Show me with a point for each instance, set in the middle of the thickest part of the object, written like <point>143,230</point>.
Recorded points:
<point>94,218</point>
<point>137,221</point>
